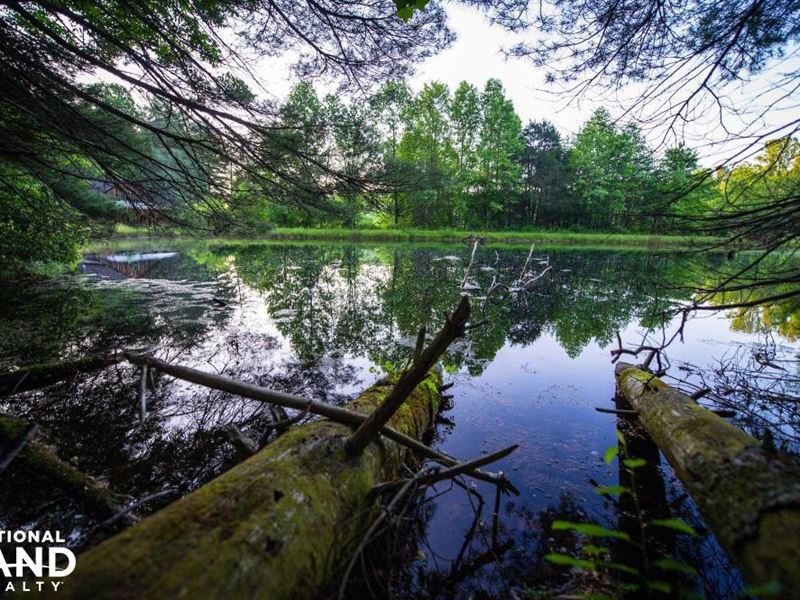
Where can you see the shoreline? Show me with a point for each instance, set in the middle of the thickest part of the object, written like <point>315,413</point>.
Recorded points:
<point>512,238</point>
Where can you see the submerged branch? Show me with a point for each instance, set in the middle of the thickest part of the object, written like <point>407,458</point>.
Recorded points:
<point>334,413</point>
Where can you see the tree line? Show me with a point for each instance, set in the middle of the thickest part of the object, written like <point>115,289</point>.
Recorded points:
<point>464,159</point>
<point>395,158</point>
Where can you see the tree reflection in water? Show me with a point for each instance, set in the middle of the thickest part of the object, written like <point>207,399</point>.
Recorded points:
<point>326,321</point>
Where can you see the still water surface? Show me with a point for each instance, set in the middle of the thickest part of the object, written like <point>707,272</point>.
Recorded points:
<point>327,321</point>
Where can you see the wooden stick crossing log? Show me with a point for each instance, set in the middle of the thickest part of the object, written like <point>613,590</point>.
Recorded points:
<point>749,497</point>
<point>449,473</point>
<point>278,525</point>
<point>334,413</point>
<point>454,327</point>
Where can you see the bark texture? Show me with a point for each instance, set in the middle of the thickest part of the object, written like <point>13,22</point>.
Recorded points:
<point>749,497</point>
<point>39,376</point>
<point>276,526</point>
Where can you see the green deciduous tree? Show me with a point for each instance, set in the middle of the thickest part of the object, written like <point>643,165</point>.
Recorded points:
<point>428,146</point>
<point>613,172</point>
<point>389,106</point>
<point>499,173</point>
<point>355,152</point>
<point>466,119</point>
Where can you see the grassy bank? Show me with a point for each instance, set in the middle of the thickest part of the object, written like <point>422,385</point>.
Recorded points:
<point>504,237</point>
<point>452,236</point>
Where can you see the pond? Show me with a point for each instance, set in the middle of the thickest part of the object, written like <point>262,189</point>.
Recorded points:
<point>326,321</point>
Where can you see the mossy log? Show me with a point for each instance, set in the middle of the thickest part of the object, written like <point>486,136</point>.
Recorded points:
<point>279,525</point>
<point>749,496</point>
<point>38,459</point>
<point>38,376</point>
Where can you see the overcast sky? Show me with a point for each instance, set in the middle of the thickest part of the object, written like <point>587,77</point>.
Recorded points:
<point>476,56</point>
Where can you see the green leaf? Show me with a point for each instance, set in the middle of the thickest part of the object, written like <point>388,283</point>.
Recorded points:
<point>675,524</point>
<point>620,567</point>
<point>406,8</point>
<point>593,550</point>
<point>590,529</point>
<point>670,564</point>
<point>611,490</point>
<point>659,586</point>
<point>768,590</point>
<point>563,559</point>
<point>634,463</point>
<point>621,438</point>
<point>611,452</point>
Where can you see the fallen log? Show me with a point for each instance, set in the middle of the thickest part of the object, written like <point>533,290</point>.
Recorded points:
<point>41,375</point>
<point>276,526</point>
<point>39,460</point>
<point>329,411</point>
<point>748,496</point>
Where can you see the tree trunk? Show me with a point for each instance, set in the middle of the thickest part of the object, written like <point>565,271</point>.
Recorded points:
<point>41,375</point>
<point>275,526</point>
<point>748,496</point>
<point>38,460</point>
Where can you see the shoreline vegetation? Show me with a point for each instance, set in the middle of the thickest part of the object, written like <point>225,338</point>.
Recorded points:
<point>443,236</point>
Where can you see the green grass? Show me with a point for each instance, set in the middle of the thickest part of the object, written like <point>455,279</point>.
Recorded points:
<point>439,236</point>
<point>122,230</point>
<point>503,237</point>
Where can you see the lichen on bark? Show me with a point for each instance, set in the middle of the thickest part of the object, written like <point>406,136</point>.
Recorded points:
<point>749,497</point>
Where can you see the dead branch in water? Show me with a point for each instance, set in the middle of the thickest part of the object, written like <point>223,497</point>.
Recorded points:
<point>27,436</point>
<point>334,413</point>
<point>402,493</point>
<point>407,488</point>
<point>454,327</point>
<point>471,260</point>
<point>460,469</point>
<point>525,266</point>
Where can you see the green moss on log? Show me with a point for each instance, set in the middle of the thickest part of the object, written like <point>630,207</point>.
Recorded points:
<point>749,497</point>
<point>37,376</point>
<point>39,460</point>
<point>275,526</point>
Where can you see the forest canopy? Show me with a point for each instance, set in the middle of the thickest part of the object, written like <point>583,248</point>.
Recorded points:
<point>463,159</point>
<point>149,101</point>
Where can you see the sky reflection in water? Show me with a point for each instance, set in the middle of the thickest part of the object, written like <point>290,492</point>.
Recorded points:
<point>326,321</point>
